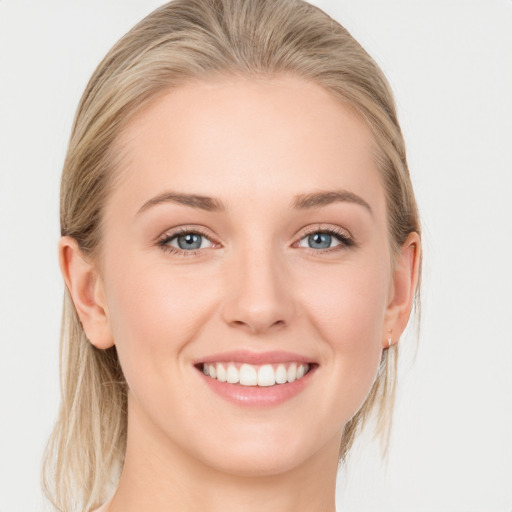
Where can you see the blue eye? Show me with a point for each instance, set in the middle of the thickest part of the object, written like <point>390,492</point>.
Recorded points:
<point>187,241</point>
<point>319,241</point>
<point>325,240</point>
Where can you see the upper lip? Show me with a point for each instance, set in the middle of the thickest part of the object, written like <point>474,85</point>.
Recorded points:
<point>250,357</point>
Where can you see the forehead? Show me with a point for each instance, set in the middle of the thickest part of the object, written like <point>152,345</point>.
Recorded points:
<point>240,138</point>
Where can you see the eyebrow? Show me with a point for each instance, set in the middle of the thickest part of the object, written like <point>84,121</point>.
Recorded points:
<point>324,198</point>
<point>209,204</point>
<point>300,202</point>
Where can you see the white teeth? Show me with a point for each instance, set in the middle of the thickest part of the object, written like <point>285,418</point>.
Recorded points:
<point>292,372</point>
<point>281,374</point>
<point>266,375</point>
<point>221,373</point>
<point>232,375</point>
<point>248,375</point>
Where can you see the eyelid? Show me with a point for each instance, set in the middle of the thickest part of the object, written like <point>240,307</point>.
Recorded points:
<point>184,229</point>
<point>327,228</point>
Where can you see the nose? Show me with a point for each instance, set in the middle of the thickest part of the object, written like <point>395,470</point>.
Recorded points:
<point>259,296</point>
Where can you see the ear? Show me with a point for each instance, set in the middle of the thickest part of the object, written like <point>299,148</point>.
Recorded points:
<point>403,288</point>
<point>86,289</point>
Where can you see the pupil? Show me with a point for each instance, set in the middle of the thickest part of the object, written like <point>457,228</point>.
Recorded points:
<point>189,241</point>
<point>320,241</point>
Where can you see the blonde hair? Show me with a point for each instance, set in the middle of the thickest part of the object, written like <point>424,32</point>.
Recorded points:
<point>181,41</point>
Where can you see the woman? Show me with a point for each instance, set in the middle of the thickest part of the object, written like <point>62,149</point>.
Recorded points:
<point>241,250</point>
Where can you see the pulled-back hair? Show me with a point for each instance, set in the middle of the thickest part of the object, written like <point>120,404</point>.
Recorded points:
<point>182,41</point>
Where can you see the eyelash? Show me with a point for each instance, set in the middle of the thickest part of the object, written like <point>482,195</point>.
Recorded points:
<point>164,241</point>
<point>346,241</point>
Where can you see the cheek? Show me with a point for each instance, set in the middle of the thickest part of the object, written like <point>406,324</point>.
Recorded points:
<point>347,308</point>
<point>154,313</point>
<point>347,304</point>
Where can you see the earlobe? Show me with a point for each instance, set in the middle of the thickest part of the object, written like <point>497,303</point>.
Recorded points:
<point>405,281</point>
<point>86,289</point>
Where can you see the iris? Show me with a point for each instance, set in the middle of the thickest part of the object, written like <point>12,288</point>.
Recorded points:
<point>319,240</point>
<point>189,241</point>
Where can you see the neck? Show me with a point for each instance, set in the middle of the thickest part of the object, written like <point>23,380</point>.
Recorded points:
<point>162,477</point>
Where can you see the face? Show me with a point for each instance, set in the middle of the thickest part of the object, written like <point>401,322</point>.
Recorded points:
<point>246,238</point>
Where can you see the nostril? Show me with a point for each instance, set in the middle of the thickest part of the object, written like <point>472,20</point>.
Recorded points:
<point>257,326</point>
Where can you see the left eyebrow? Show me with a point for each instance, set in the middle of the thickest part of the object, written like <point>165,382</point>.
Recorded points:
<point>323,198</point>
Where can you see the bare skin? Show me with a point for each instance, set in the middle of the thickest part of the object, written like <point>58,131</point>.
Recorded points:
<point>293,255</point>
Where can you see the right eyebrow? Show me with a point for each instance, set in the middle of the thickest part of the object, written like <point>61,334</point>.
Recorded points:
<point>193,200</point>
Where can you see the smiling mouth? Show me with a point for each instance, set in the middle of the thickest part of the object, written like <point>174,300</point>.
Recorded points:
<point>265,375</point>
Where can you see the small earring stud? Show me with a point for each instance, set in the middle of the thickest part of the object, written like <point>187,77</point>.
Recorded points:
<point>389,342</point>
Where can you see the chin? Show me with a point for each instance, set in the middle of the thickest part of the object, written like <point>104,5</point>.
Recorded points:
<point>252,465</point>
<point>261,456</point>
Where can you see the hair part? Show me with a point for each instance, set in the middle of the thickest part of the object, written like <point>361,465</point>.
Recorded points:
<point>183,41</point>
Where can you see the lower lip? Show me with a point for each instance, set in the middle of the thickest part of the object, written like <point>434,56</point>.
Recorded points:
<point>256,396</point>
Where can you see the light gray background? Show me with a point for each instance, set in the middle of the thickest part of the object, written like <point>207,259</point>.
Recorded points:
<point>449,62</point>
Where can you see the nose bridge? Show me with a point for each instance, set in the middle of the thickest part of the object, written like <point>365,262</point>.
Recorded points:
<point>259,298</point>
